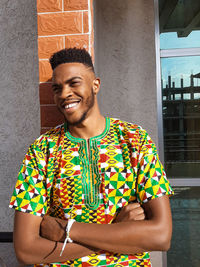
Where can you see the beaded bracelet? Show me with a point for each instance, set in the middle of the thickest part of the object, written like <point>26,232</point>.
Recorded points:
<point>67,239</point>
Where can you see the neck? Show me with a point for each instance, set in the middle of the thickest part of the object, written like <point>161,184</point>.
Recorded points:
<point>92,126</point>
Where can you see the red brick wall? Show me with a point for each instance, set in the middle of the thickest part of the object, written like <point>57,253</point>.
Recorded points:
<point>61,23</point>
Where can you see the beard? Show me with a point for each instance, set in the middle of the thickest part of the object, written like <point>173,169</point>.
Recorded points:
<point>89,103</point>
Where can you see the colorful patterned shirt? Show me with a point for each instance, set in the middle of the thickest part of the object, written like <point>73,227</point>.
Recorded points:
<point>68,177</point>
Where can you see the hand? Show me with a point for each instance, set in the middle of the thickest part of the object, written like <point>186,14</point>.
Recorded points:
<point>131,212</point>
<point>53,228</point>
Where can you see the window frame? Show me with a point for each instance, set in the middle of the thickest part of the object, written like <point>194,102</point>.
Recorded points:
<point>166,53</point>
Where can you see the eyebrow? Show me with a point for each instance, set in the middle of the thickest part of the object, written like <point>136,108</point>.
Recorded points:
<point>73,78</point>
<point>69,80</point>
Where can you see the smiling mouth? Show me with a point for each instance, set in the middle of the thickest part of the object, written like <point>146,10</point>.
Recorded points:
<point>71,105</point>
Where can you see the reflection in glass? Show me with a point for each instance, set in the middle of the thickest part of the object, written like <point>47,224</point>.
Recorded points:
<point>181,115</point>
<point>179,23</point>
<point>177,96</point>
<point>185,244</point>
<point>196,95</point>
<point>170,40</point>
<point>186,96</point>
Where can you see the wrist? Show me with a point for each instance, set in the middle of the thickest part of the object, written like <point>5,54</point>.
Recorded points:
<point>62,229</point>
<point>67,231</point>
<point>75,228</point>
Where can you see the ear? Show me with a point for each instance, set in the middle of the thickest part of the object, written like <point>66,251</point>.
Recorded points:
<point>96,85</point>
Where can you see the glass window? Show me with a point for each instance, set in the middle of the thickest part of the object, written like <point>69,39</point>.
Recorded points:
<point>186,96</point>
<point>177,96</point>
<point>196,95</point>
<point>181,117</point>
<point>179,23</point>
<point>170,40</point>
<point>184,71</point>
<point>184,251</point>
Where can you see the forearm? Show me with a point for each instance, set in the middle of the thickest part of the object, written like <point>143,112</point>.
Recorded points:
<point>130,237</point>
<point>31,248</point>
<point>126,237</point>
<point>41,250</point>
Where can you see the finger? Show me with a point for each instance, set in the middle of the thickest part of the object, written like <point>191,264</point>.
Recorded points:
<point>134,204</point>
<point>140,217</point>
<point>136,212</point>
<point>131,206</point>
<point>140,210</point>
<point>47,219</point>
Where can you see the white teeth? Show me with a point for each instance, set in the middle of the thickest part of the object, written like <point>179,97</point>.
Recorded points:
<point>71,105</point>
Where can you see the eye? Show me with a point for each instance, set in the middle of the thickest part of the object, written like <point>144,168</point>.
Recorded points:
<point>74,83</point>
<point>56,89</point>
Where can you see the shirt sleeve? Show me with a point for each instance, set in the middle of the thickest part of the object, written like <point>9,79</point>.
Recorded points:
<point>151,179</point>
<point>30,192</point>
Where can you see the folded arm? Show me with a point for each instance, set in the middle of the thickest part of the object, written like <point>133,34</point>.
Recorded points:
<point>127,235</point>
<point>130,237</point>
<point>31,248</point>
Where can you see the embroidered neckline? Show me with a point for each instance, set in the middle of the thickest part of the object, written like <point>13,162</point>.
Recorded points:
<point>89,159</point>
<point>100,136</point>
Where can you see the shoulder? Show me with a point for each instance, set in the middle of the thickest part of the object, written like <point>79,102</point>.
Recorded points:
<point>134,136</point>
<point>129,129</point>
<point>49,138</point>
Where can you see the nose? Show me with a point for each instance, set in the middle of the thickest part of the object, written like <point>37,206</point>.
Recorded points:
<point>66,92</point>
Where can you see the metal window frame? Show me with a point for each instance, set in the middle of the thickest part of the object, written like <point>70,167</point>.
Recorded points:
<point>180,52</point>
<point>185,182</point>
<point>164,53</point>
<point>159,98</point>
<point>158,83</point>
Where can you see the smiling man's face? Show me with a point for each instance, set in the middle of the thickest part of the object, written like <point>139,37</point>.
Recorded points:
<point>73,91</point>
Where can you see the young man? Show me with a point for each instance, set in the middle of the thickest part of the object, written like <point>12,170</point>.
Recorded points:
<point>90,174</point>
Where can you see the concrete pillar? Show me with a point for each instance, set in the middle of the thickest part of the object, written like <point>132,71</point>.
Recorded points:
<point>19,112</point>
<point>125,61</point>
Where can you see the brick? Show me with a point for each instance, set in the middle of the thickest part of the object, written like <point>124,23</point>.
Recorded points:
<point>85,22</point>
<point>49,5</point>
<point>79,41</point>
<point>45,71</point>
<point>59,23</point>
<point>49,45</point>
<point>70,5</point>
<point>50,116</point>
<point>46,94</point>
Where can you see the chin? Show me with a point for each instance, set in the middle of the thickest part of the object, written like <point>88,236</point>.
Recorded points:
<point>76,121</point>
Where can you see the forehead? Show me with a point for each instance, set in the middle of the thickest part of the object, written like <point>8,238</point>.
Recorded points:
<point>67,71</point>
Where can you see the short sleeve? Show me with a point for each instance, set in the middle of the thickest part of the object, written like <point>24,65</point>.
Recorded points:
<point>151,178</point>
<point>30,192</point>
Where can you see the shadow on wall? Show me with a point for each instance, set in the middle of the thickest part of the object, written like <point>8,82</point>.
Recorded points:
<point>50,116</point>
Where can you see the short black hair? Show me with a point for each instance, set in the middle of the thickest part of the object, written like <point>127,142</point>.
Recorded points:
<point>70,55</point>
